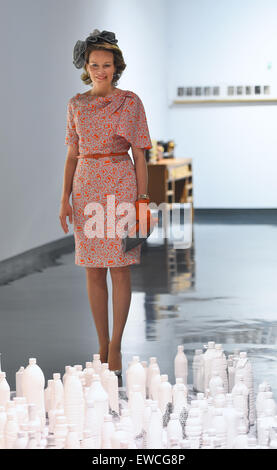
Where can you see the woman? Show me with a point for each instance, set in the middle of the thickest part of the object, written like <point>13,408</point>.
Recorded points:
<point>103,122</point>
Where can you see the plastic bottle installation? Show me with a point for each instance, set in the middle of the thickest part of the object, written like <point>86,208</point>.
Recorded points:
<point>86,408</point>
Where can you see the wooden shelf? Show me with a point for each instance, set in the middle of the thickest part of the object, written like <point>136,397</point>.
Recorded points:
<point>170,180</point>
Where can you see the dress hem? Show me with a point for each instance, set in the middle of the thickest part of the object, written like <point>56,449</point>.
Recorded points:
<point>108,266</point>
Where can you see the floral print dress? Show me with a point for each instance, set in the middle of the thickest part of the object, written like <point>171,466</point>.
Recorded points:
<point>104,125</point>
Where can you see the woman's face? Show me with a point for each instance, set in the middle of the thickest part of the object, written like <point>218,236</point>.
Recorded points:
<point>101,68</point>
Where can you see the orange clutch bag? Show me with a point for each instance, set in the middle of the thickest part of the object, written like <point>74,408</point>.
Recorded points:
<point>131,241</point>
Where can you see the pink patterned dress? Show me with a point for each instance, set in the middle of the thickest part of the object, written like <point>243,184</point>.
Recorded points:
<point>104,125</point>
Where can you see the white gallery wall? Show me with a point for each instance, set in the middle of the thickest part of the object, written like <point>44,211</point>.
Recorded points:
<point>37,80</point>
<point>166,43</point>
<point>233,146</point>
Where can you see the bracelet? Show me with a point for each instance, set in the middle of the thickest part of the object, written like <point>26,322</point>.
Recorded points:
<point>143,196</point>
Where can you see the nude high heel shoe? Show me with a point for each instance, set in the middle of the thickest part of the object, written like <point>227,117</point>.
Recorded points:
<point>118,372</point>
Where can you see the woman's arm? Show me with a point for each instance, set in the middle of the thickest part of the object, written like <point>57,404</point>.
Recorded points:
<point>141,170</point>
<point>69,170</point>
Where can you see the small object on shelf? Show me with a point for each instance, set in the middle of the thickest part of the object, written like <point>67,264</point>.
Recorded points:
<point>170,149</point>
<point>165,149</point>
<point>160,150</point>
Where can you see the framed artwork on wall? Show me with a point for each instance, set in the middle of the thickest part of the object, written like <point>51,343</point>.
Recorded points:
<point>224,93</point>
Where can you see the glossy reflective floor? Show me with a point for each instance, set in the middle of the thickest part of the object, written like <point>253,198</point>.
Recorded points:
<point>222,289</point>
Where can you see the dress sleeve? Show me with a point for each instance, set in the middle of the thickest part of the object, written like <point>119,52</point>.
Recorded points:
<point>132,124</point>
<point>71,136</point>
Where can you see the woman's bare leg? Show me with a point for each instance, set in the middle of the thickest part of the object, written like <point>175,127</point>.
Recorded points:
<point>121,281</point>
<point>98,299</point>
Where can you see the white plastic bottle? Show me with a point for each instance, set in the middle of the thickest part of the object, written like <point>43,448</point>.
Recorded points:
<point>208,357</point>
<point>118,435</point>
<point>269,402</point>
<point>220,364</point>
<point>193,428</point>
<point>203,406</point>
<point>231,375</point>
<point>98,395</point>
<point>87,441</point>
<point>108,430</point>
<point>32,441</point>
<point>210,413</point>
<point>181,365</point>
<point>185,444</point>
<point>152,363</point>
<point>21,409</point>
<point>212,437</point>
<point>91,416</point>
<point>215,381</point>
<point>235,357</point>
<point>4,389</point>
<point>21,441</point>
<point>198,371</point>
<point>195,439</point>
<point>252,443</point>
<point>244,368</point>
<point>241,441</point>
<point>88,371</point>
<point>33,382</point>
<point>174,428</point>
<point>154,437</point>
<point>154,383</point>
<point>3,419</point>
<point>66,374</point>
<point>146,419</point>
<point>179,397</point>
<point>164,393</point>
<point>11,408</point>
<point>18,382</point>
<point>58,391</point>
<point>240,395</point>
<point>232,417</point>
<point>72,439</point>
<point>266,422</point>
<point>128,424</point>
<point>220,425</point>
<point>113,396</point>
<point>48,396</point>
<point>10,431</point>
<point>136,375</point>
<point>61,427</point>
<point>53,414</point>
<point>260,399</point>
<point>34,421</point>
<point>136,406</point>
<point>220,398</point>
<point>74,401</point>
<point>96,364</point>
<point>105,375</point>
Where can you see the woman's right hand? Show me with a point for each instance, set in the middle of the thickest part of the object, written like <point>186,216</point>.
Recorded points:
<point>65,210</point>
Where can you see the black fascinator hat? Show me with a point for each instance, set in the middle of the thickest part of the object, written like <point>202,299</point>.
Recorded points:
<point>95,37</point>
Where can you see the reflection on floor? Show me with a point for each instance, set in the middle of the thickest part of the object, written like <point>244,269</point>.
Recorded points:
<point>222,289</point>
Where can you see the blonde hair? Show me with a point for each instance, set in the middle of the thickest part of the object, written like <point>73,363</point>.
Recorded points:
<point>117,57</point>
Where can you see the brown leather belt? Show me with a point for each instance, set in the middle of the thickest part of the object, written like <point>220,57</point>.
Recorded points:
<point>98,155</point>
